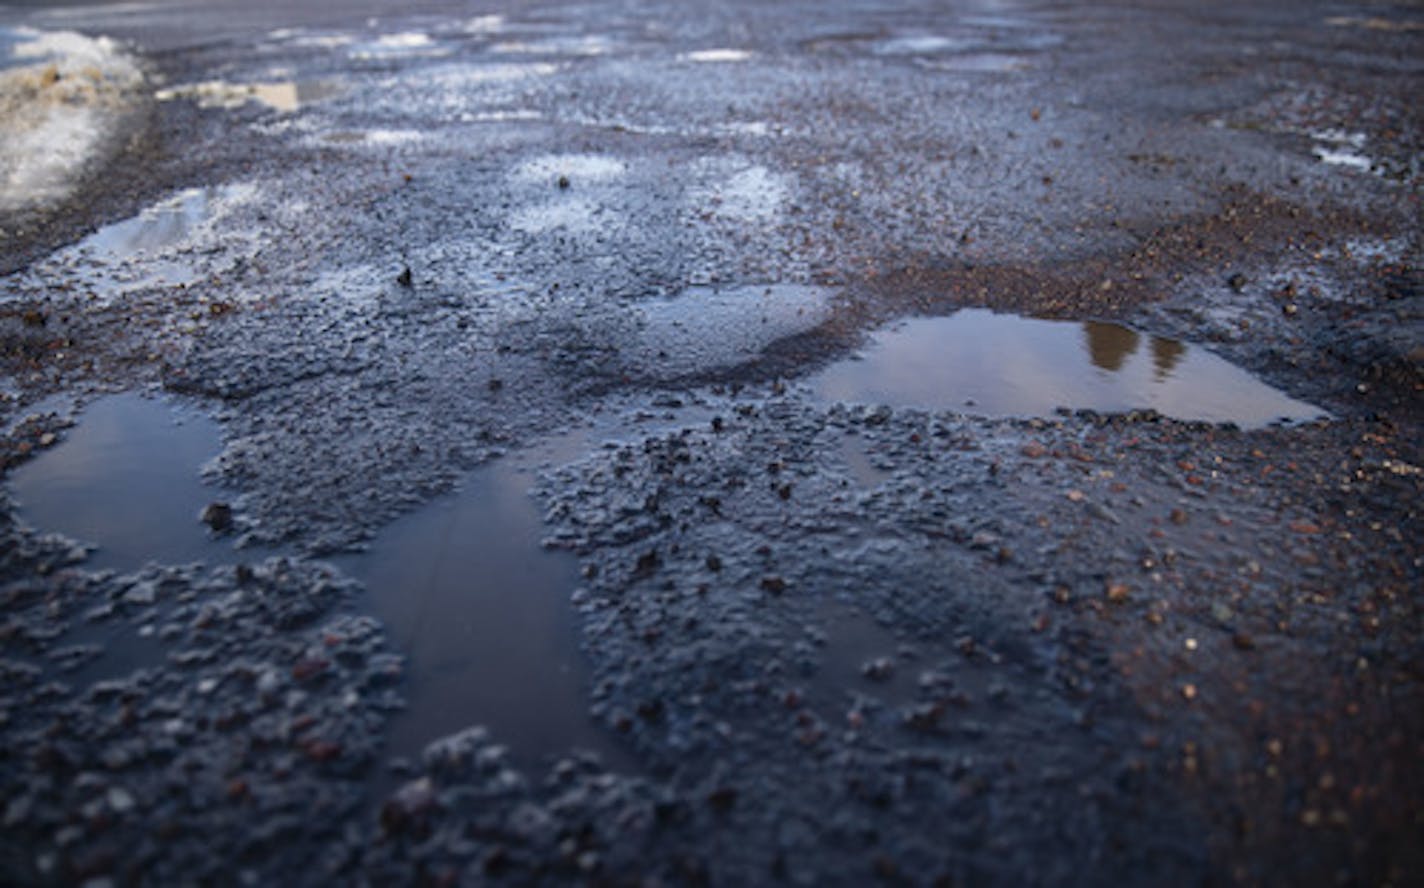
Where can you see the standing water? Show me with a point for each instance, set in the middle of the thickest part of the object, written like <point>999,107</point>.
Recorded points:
<point>978,362</point>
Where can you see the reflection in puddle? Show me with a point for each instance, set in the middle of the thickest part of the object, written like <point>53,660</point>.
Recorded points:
<point>979,362</point>
<point>161,225</point>
<point>127,479</point>
<point>978,63</point>
<point>714,56</point>
<point>283,96</point>
<point>483,612</point>
<point>147,250</point>
<point>408,44</point>
<point>704,329</point>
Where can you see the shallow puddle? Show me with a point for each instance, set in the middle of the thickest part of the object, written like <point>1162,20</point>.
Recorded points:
<point>978,362</point>
<point>161,225</point>
<point>482,610</point>
<point>126,479</point>
<point>284,96</point>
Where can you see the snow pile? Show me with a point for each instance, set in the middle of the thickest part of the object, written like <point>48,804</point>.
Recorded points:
<point>62,98</point>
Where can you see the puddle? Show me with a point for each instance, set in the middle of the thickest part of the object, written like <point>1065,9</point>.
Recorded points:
<point>716,56</point>
<point>126,479</point>
<point>978,362</point>
<point>704,328</point>
<point>590,45</point>
<point>162,225</point>
<point>405,45</point>
<point>282,96</point>
<point>151,249</point>
<point>978,63</point>
<point>923,44</point>
<point>482,610</point>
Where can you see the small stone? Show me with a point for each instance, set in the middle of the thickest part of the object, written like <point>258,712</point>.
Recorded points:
<point>879,669</point>
<point>217,516</point>
<point>408,807</point>
<point>1237,282</point>
<point>773,584</point>
<point>722,798</point>
<point>1118,592</point>
<point>563,183</point>
<point>405,279</point>
<point>984,540</point>
<point>141,593</point>
<point>120,800</point>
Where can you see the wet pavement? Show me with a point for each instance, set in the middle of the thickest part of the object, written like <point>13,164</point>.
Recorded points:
<point>643,443</point>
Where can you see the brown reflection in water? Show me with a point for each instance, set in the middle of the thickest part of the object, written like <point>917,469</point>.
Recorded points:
<point>1109,345</point>
<point>1166,354</point>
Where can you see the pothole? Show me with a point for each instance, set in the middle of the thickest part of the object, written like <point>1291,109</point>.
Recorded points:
<point>161,246</point>
<point>482,610</point>
<point>979,362</point>
<point>285,96</point>
<point>127,481</point>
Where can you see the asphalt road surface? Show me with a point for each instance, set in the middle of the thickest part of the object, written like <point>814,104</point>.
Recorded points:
<point>671,443</point>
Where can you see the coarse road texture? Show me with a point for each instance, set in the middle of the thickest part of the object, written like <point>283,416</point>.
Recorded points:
<point>382,245</point>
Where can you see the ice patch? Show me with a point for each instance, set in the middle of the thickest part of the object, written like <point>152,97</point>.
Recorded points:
<point>59,111</point>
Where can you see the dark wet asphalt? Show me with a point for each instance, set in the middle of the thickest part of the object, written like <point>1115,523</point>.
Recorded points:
<point>825,620</point>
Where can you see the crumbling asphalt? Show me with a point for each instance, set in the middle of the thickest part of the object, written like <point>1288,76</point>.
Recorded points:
<point>837,642</point>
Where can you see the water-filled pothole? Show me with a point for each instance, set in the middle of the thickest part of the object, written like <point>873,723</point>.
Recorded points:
<point>979,362</point>
<point>127,480</point>
<point>153,248</point>
<point>482,611</point>
<point>282,96</point>
<point>161,225</point>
